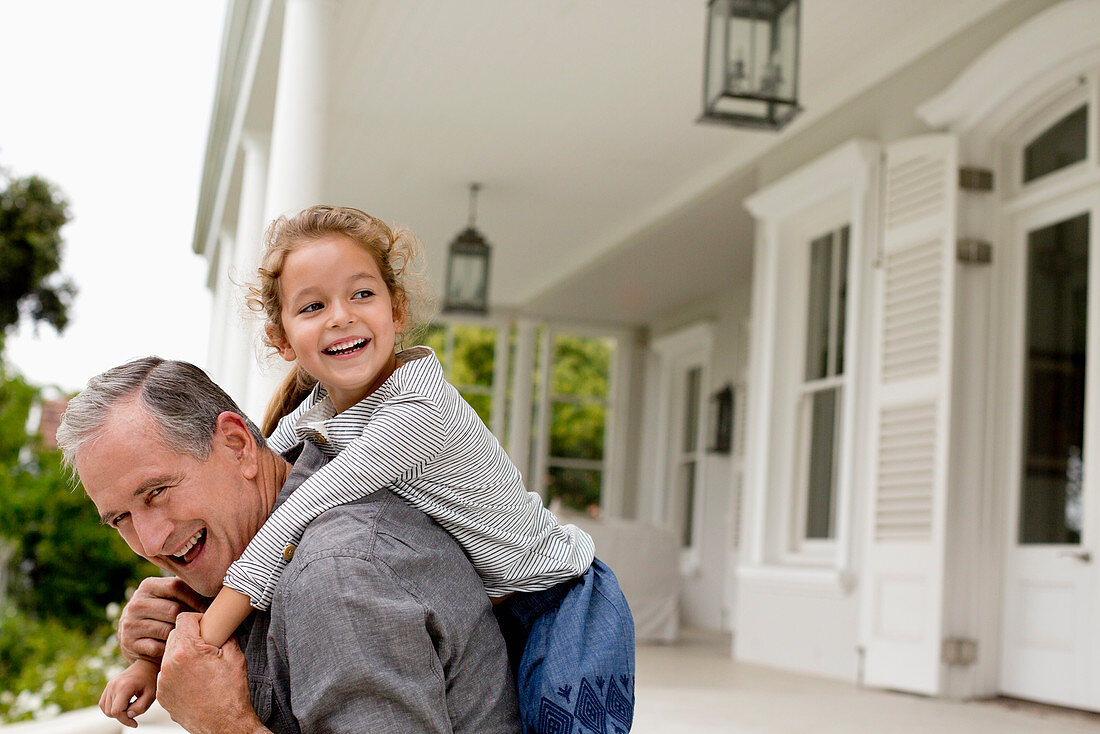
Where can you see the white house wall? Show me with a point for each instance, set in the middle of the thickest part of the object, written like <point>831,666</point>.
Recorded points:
<point>705,594</point>
<point>793,619</point>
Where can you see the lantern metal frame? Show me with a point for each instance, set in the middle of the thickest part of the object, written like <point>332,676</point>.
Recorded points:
<point>469,243</point>
<point>775,110</point>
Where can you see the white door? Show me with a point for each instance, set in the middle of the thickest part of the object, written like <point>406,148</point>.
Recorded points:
<point>1051,626</point>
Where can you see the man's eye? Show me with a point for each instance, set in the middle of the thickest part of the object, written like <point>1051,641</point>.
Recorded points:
<point>365,293</point>
<point>310,307</point>
<point>119,518</point>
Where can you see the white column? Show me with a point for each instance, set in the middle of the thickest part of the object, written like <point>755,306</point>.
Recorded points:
<point>220,313</point>
<point>300,123</point>
<point>299,129</point>
<point>241,367</point>
<point>519,423</point>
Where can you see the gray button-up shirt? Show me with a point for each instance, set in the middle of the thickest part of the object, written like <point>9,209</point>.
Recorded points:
<point>379,624</point>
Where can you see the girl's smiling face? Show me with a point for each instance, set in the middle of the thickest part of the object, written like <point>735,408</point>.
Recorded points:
<point>339,320</point>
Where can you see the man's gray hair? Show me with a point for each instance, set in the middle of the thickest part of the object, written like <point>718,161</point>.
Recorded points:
<point>180,398</point>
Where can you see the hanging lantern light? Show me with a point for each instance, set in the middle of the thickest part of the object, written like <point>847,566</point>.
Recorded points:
<point>750,77</point>
<point>467,288</point>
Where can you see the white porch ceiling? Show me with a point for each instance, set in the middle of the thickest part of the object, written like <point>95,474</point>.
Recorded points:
<point>578,119</point>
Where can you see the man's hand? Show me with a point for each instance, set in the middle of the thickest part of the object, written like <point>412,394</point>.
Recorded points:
<point>151,614</point>
<point>205,688</point>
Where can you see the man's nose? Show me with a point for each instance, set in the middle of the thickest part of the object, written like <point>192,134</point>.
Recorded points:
<point>152,532</point>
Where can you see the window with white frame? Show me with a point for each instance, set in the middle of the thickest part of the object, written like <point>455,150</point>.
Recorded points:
<point>573,410</point>
<point>822,387</point>
<point>681,398</point>
<point>687,455</point>
<point>467,353</point>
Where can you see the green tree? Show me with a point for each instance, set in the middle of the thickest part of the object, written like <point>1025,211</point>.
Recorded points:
<point>64,564</point>
<point>32,213</point>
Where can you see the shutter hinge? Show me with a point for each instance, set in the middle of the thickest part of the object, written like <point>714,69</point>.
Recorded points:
<point>973,252</point>
<point>975,179</point>
<point>959,651</point>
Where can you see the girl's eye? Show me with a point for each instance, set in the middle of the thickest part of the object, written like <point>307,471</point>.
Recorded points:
<point>310,307</point>
<point>363,294</point>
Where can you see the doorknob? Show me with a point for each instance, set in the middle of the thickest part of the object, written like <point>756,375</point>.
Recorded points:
<point>1082,556</point>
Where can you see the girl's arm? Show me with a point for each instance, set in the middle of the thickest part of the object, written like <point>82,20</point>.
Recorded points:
<point>224,616</point>
<point>404,434</point>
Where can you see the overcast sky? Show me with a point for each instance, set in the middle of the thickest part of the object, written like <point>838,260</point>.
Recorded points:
<point>110,100</point>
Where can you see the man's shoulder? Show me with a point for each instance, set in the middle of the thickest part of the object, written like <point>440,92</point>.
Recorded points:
<point>380,533</point>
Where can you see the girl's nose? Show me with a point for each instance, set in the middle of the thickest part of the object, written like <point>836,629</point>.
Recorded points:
<point>339,315</point>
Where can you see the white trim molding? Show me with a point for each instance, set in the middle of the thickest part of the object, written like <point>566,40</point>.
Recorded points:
<point>1058,40</point>
<point>833,173</point>
<point>840,187</point>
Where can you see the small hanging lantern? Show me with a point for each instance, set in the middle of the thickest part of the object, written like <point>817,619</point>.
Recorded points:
<point>750,77</point>
<point>468,267</point>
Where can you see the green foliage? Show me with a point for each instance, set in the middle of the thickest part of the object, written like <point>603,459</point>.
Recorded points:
<point>578,417</point>
<point>68,572</point>
<point>32,214</point>
<point>69,566</point>
<point>473,357</point>
<point>65,564</point>
<point>47,667</point>
<point>582,366</point>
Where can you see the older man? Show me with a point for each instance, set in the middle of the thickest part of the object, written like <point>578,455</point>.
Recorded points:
<point>379,622</point>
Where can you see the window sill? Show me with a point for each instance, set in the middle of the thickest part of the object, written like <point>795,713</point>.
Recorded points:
<point>798,581</point>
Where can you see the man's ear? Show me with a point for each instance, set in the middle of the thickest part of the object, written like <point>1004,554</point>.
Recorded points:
<point>278,340</point>
<point>232,435</point>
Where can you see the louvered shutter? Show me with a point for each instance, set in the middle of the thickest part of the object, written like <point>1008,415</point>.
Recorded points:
<point>903,595</point>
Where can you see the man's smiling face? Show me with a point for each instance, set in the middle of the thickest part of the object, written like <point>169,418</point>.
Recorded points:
<point>190,517</point>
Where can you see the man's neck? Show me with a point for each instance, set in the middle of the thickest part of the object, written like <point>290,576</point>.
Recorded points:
<point>274,470</point>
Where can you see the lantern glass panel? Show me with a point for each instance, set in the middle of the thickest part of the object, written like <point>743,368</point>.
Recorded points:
<point>717,80</point>
<point>786,52</point>
<point>468,279</point>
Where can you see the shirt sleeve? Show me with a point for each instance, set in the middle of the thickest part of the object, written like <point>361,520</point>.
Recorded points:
<point>404,434</point>
<point>359,651</point>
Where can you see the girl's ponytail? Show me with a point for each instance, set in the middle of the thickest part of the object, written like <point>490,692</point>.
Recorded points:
<point>292,390</point>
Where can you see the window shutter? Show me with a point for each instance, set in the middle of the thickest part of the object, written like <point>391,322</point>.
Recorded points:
<point>903,597</point>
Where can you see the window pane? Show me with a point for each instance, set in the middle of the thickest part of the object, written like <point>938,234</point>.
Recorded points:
<point>576,431</point>
<point>581,365</point>
<point>482,404</point>
<point>819,492</point>
<point>842,299</point>
<point>578,489</point>
<point>686,492</point>
<point>691,408</point>
<point>1054,404</point>
<point>436,337</point>
<point>817,319</point>
<point>473,358</point>
<point>1061,145</point>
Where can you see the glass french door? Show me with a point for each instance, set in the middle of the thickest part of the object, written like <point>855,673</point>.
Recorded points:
<point>1050,648</point>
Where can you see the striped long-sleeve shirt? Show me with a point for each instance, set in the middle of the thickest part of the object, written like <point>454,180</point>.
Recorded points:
<point>416,435</point>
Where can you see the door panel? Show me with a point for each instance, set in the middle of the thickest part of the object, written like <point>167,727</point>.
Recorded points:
<point>1049,632</point>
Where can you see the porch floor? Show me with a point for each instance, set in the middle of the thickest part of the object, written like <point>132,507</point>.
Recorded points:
<point>695,686</point>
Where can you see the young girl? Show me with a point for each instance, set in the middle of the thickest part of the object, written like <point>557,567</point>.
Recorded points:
<point>334,292</point>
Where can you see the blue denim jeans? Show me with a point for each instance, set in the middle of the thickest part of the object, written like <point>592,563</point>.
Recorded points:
<point>571,648</point>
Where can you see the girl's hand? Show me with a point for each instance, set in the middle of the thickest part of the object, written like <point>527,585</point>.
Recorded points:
<point>139,680</point>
